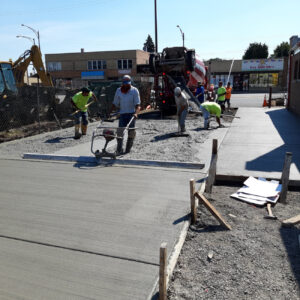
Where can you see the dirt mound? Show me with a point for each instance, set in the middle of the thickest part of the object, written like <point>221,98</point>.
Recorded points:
<point>258,259</point>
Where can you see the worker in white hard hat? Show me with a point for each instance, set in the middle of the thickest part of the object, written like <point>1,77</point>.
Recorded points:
<point>127,100</point>
<point>182,107</point>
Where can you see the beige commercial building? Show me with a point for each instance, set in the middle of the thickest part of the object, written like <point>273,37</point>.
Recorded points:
<point>294,78</point>
<point>83,68</point>
<point>254,75</point>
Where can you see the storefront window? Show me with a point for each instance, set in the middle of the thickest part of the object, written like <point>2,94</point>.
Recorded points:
<point>264,80</point>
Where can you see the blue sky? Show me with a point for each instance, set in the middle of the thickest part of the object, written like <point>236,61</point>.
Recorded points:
<point>215,29</point>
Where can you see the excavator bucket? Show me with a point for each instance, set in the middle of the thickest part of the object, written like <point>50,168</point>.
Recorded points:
<point>33,56</point>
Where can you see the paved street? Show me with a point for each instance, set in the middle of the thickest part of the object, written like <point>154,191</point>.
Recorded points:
<point>76,232</point>
<point>250,100</point>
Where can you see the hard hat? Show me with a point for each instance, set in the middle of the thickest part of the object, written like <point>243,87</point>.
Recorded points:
<point>126,79</point>
<point>177,91</point>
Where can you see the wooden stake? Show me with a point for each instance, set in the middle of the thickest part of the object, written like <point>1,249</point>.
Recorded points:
<point>212,168</point>
<point>215,146</point>
<point>285,177</point>
<point>163,272</point>
<point>212,210</point>
<point>193,202</point>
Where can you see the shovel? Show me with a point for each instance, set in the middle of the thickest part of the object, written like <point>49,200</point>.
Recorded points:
<point>78,110</point>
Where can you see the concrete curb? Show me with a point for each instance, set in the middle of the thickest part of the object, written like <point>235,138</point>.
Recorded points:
<point>135,162</point>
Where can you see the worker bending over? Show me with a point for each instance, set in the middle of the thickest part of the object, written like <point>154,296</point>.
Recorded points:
<point>127,101</point>
<point>182,107</point>
<point>210,108</point>
<point>79,102</point>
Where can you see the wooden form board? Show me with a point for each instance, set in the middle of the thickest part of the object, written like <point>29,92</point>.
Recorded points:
<point>291,221</point>
<point>212,210</point>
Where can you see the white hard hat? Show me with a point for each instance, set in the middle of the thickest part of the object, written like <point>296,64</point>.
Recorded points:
<point>177,91</point>
<point>126,79</point>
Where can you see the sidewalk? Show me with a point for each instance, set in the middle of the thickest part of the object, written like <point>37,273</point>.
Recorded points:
<point>255,144</point>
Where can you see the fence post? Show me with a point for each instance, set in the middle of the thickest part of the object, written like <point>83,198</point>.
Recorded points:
<point>285,176</point>
<point>270,96</point>
<point>38,103</point>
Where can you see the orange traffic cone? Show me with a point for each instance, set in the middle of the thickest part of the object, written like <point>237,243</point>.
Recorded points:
<point>265,102</point>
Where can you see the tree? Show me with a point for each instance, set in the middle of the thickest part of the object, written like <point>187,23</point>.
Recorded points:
<point>281,50</point>
<point>256,50</point>
<point>149,45</point>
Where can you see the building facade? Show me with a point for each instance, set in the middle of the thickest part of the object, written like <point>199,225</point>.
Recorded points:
<point>255,75</point>
<point>294,76</point>
<point>82,68</point>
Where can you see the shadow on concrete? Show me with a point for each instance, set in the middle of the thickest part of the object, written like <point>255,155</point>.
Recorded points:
<point>58,139</point>
<point>290,240</point>
<point>155,296</point>
<point>91,165</point>
<point>288,127</point>
<point>181,219</point>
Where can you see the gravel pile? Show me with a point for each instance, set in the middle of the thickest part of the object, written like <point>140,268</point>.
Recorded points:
<point>258,259</point>
<point>153,140</point>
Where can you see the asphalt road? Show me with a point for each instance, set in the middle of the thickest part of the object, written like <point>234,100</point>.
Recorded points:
<point>86,232</point>
<point>250,100</point>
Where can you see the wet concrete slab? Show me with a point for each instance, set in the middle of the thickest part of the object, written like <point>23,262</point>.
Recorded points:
<point>106,214</point>
<point>33,271</point>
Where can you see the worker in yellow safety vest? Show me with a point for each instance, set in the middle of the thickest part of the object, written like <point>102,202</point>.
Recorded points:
<point>79,102</point>
<point>209,108</point>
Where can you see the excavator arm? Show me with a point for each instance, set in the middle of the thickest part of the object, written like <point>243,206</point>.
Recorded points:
<point>21,64</point>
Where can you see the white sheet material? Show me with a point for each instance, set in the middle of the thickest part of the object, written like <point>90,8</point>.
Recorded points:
<point>258,191</point>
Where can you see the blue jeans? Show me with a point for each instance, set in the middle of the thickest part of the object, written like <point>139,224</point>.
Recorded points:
<point>81,115</point>
<point>206,116</point>
<point>123,122</point>
<point>181,119</point>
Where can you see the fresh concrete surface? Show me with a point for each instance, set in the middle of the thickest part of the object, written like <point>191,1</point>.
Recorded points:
<point>31,271</point>
<point>257,142</point>
<point>113,218</point>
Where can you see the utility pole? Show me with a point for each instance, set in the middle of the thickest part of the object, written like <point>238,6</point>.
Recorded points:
<point>155,14</point>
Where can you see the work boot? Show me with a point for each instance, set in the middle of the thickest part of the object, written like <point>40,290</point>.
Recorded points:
<point>129,145</point>
<point>119,150</point>
<point>77,133</point>
<point>83,129</point>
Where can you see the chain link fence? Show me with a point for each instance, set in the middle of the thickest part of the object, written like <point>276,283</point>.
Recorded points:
<point>41,109</point>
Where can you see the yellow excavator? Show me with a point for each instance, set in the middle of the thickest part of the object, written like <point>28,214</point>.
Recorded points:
<point>12,73</point>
